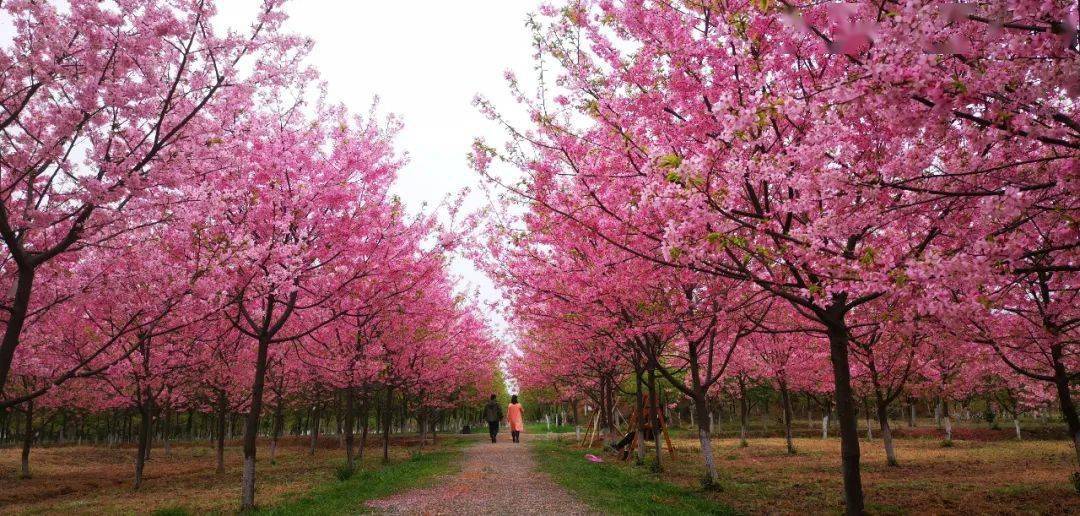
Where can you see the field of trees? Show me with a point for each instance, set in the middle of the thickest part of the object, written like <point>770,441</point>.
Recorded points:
<point>200,246</point>
<point>868,208</point>
<point>985,468</point>
<point>744,256</point>
<point>972,477</point>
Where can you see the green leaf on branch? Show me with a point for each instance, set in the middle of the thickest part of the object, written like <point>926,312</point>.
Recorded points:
<point>899,277</point>
<point>669,161</point>
<point>868,256</point>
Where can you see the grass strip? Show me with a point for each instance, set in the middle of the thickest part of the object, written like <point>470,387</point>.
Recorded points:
<point>346,493</point>
<point>541,428</point>
<point>348,496</point>
<point>619,489</point>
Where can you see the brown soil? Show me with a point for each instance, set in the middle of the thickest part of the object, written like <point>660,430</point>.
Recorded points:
<point>97,479</point>
<point>971,477</point>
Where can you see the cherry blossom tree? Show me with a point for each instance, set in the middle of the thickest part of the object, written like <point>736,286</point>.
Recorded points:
<point>300,203</point>
<point>109,108</point>
<point>786,145</point>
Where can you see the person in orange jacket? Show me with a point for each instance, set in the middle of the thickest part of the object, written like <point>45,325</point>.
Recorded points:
<point>516,415</point>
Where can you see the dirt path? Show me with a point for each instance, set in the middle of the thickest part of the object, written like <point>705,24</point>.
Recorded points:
<point>495,479</point>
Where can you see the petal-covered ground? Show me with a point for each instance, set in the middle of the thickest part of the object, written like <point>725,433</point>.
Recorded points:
<point>498,478</point>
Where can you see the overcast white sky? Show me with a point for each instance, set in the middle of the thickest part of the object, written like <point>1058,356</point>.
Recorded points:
<point>425,60</point>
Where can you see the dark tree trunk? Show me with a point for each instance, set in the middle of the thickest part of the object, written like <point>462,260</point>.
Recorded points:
<point>5,427</point>
<point>28,439</point>
<point>314,428</point>
<point>435,427</point>
<point>825,412</point>
<point>1016,426</point>
<point>1068,409</point>
<point>379,415</point>
<point>166,431</point>
<point>279,424</point>
<point>866,410</point>
<point>17,310</point>
<point>364,424</point>
<point>701,406</point>
<point>422,419</point>
<point>948,419</point>
<point>387,410</point>
<point>251,429</point>
<point>605,411</point>
<point>847,415</point>
<point>350,421</point>
<point>145,426</point>
<point>640,423</point>
<point>338,421</point>
<point>886,431</point>
<point>785,399</point>
<point>222,409</point>
<point>654,415</point>
<point>744,414</point>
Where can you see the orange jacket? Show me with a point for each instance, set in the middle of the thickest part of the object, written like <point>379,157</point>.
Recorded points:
<point>516,414</point>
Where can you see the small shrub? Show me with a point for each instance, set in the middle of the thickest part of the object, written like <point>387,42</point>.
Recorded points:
<point>1075,477</point>
<point>947,443</point>
<point>344,472</point>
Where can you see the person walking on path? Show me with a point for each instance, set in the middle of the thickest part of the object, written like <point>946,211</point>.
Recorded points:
<point>493,415</point>
<point>516,415</point>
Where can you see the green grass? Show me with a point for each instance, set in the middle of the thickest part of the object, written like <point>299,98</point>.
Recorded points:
<point>349,496</point>
<point>541,428</point>
<point>618,489</point>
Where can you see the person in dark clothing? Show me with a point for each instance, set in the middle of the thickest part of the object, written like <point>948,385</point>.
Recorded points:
<point>493,415</point>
